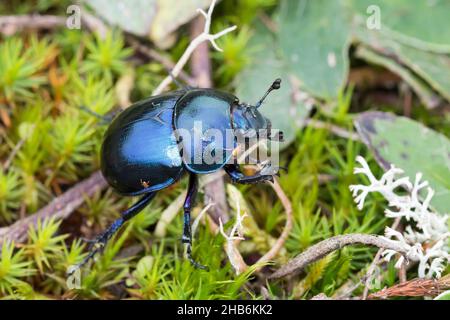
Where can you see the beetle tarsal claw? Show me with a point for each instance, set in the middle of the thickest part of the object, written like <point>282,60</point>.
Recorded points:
<point>96,245</point>
<point>191,259</point>
<point>99,246</point>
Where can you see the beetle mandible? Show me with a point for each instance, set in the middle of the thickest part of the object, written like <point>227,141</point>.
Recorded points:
<point>147,148</point>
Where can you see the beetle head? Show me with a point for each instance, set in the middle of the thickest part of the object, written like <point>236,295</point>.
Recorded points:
<point>247,119</point>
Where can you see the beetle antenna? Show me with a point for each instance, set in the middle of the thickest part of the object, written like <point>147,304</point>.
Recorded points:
<point>275,86</point>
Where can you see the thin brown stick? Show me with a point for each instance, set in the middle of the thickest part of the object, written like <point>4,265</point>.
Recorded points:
<point>158,57</point>
<point>13,24</point>
<point>268,22</point>
<point>13,153</point>
<point>94,24</point>
<point>368,277</point>
<point>61,207</point>
<point>375,262</point>
<point>402,273</point>
<point>346,290</point>
<point>287,228</point>
<point>336,130</point>
<point>200,62</point>
<point>16,149</point>
<point>325,247</point>
<point>407,101</point>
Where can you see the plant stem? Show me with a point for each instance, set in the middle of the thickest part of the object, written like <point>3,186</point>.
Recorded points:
<point>325,247</point>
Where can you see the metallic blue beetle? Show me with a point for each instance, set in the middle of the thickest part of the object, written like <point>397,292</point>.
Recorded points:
<point>143,150</point>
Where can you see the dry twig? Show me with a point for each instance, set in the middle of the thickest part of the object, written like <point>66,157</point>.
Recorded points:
<point>13,24</point>
<point>325,247</point>
<point>376,260</point>
<point>153,54</point>
<point>10,25</point>
<point>61,207</point>
<point>16,149</point>
<point>336,130</point>
<point>287,228</point>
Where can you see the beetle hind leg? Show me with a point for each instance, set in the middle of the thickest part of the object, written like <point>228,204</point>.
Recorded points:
<point>187,235</point>
<point>98,244</point>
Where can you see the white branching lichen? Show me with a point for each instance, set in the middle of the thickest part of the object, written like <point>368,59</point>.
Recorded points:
<point>236,234</point>
<point>425,238</point>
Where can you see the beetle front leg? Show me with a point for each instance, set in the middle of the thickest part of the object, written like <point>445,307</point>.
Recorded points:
<point>188,204</point>
<point>236,175</point>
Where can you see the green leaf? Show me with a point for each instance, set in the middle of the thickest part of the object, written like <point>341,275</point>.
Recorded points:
<point>314,38</point>
<point>172,14</point>
<point>425,94</point>
<point>135,16</point>
<point>424,25</point>
<point>434,68</point>
<point>412,147</point>
<point>285,114</point>
<point>157,18</point>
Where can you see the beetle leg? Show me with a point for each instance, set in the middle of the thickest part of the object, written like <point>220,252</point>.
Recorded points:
<point>99,243</point>
<point>236,175</point>
<point>188,204</point>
